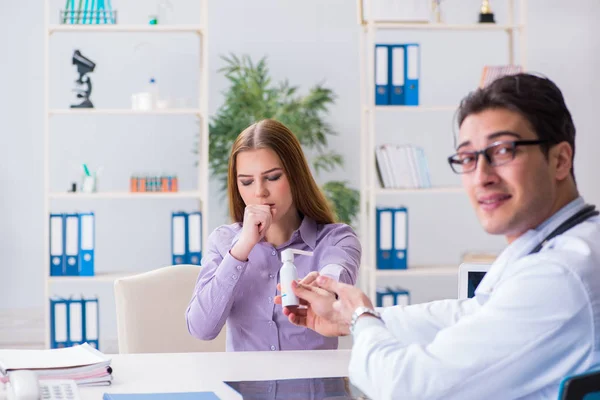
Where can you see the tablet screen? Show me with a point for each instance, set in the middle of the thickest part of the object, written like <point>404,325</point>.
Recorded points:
<point>474,279</point>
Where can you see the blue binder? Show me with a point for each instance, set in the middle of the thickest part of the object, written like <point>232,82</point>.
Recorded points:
<point>400,235</point>
<point>384,238</point>
<point>71,244</point>
<point>392,238</point>
<point>59,323</point>
<point>179,237</point>
<point>397,74</point>
<point>91,322</point>
<point>73,321</point>
<point>382,75</point>
<point>87,238</point>
<point>194,238</point>
<point>401,296</point>
<point>392,296</point>
<point>57,254</point>
<point>412,68</point>
<point>75,318</point>
<point>385,298</point>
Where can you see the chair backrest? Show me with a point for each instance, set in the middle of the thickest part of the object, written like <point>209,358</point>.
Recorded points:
<point>151,312</point>
<point>580,387</point>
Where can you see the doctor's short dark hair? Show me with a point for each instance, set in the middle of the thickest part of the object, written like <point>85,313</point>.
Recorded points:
<point>536,98</point>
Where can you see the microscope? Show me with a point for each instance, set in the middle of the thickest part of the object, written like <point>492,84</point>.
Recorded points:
<point>84,66</point>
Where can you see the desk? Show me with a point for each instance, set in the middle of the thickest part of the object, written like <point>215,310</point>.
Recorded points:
<point>196,372</point>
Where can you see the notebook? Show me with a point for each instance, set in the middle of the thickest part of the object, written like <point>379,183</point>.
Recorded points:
<point>161,396</point>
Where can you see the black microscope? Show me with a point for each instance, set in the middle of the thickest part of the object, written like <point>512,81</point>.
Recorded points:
<point>84,66</point>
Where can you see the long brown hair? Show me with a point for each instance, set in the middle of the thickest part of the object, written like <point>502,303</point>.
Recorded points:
<point>306,195</point>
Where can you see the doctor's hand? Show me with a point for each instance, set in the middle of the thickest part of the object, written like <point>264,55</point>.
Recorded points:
<point>308,317</point>
<point>307,280</point>
<point>257,220</point>
<point>349,298</point>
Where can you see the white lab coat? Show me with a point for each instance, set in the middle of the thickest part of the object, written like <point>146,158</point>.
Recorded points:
<point>534,320</point>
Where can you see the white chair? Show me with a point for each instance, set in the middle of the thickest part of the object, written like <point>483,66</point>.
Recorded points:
<point>151,312</point>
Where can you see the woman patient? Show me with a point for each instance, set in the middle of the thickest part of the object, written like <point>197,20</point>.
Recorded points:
<point>275,205</point>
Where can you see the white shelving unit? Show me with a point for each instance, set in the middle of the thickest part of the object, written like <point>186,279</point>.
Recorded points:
<point>126,28</point>
<point>201,191</point>
<point>124,111</point>
<point>127,195</point>
<point>370,190</point>
<point>427,270</point>
<point>108,277</point>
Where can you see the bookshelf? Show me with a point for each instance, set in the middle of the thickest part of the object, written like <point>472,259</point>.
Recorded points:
<point>445,27</point>
<point>116,111</point>
<point>127,195</point>
<point>371,191</point>
<point>108,277</point>
<point>127,28</point>
<point>420,271</point>
<point>52,197</point>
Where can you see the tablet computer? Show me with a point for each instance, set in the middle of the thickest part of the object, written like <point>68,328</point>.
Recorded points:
<point>338,388</point>
<point>469,277</point>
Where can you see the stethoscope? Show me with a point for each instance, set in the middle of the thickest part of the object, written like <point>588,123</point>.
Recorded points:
<point>588,211</point>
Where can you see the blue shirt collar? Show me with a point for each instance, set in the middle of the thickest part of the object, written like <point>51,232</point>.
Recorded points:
<point>562,215</point>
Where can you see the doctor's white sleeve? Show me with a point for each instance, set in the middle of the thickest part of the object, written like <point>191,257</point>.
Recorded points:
<point>534,330</point>
<point>420,323</point>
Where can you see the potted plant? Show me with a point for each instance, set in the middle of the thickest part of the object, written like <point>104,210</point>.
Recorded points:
<point>253,96</point>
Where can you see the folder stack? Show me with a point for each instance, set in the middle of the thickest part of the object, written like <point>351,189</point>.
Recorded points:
<point>74,322</point>
<point>82,363</point>
<point>402,166</point>
<point>186,237</point>
<point>72,238</point>
<point>397,70</point>
<point>392,238</point>
<point>392,296</point>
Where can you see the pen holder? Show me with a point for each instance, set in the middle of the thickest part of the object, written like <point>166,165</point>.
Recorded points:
<point>88,184</point>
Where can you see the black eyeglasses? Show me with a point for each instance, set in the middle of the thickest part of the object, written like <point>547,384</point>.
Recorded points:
<point>495,154</point>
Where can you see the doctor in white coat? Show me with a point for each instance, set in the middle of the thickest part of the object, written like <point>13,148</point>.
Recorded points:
<point>535,317</point>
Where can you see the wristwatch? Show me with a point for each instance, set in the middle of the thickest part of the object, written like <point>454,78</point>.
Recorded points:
<point>360,311</point>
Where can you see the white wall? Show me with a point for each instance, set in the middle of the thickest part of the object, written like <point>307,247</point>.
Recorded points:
<point>307,42</point>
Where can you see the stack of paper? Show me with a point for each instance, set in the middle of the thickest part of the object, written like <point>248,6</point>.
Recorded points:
<point>82,363</point>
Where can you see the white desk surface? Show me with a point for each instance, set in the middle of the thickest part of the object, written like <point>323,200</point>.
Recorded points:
<point>197,372</point>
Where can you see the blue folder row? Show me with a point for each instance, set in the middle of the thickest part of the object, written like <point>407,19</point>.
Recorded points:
<point>392,296</point>
<point>74,321</point>
<point>186,237</point>
<point>392,238</point>
<point>72,243</point>
<point>397,70</point>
